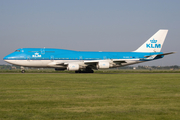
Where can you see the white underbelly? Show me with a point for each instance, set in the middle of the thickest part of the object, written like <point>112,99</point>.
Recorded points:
<point>39,63</point>
<point>30,63</point>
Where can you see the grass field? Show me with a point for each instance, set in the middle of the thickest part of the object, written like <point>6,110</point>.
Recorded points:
<point>90,96</point>
<point>96,71</point>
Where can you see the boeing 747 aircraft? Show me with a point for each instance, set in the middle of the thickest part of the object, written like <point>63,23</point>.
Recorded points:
<point>86,61</point>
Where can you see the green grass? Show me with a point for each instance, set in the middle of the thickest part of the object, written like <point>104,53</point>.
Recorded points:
<point>96,71</point>
<point>90,96</point>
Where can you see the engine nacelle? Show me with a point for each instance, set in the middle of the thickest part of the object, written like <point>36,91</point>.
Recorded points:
<point>72,67</point>
<point>103,65</point>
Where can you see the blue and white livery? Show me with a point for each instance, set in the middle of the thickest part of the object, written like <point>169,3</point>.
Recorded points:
<point>86,61</point>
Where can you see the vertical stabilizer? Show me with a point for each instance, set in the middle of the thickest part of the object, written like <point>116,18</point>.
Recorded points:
<point>154,43</point>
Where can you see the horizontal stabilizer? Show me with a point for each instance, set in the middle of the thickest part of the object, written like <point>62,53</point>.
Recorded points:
<point>161,54</point>
<point>166,53</point>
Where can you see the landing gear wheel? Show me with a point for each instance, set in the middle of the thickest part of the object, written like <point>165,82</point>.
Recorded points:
<point>78,71</point>
<point>23,71</point>
<point>92,71</point>
<point>88,71</point>
<point>85,71</point>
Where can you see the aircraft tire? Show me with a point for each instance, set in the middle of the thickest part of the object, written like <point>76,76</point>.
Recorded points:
<point>23,71</point>
<point>78,71</point>
<point>86,71</point>
<point>89,71</point>
<point>92,71</point>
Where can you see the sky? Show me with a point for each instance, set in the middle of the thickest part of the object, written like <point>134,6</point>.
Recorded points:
<point>89,25</point>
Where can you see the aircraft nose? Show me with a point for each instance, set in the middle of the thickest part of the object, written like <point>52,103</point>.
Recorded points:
<point>9,57</point>
<point>5,58</point>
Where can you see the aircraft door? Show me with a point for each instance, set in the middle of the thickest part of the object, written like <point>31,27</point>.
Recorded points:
<point>43,51</point>
<point>28,57</point>
<point>80,57</point>
<point>51,57</point>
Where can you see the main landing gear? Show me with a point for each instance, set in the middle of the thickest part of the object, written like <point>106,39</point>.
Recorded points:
<point>85,71</point>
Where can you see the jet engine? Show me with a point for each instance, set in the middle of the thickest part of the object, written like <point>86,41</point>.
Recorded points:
<point>72,67</point>
<point>103,65</point>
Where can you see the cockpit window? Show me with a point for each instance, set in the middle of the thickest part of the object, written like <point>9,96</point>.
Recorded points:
<point>17,51</point>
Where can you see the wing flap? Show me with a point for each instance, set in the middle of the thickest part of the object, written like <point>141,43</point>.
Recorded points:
<point>113,60</point>
<point>124,60</point>
<point>53,64</point>
<point>91,61</point>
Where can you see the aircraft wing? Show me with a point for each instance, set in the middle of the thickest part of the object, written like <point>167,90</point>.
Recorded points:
<point>91,62</point>
<point>113,60</point>
<point>124,60</point>
<point>119,61</point>
<point>53,64</point>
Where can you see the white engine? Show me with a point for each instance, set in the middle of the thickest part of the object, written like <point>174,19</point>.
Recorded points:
<point>103,65</point>
<point>72,67</point>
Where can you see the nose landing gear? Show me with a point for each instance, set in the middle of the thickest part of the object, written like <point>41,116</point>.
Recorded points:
<point>22,69</point>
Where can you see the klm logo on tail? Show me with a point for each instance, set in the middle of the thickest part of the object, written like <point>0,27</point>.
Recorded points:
<point>153,44</point>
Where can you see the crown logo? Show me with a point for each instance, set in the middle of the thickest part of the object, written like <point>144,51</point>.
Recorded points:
<point>36,55</point>
<point>153,41</point>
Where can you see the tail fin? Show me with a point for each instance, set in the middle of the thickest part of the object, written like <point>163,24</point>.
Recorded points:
<point>154,43</point>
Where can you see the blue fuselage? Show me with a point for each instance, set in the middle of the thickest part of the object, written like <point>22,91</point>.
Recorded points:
<point>62,54</point>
